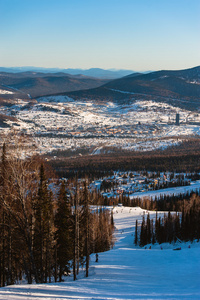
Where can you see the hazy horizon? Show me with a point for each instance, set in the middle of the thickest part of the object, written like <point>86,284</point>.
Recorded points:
<point>86,69</point>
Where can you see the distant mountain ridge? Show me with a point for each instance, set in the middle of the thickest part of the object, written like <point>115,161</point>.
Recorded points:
<point>180,87</point>
<point>171,83</point>
<point>40,84</point>
<point>93,72</point>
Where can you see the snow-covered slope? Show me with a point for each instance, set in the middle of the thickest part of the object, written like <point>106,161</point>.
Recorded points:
<point>126,271</point>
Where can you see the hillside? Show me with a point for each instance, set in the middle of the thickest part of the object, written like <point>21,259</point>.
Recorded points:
<point>180,88</point>
<point>185,83</point>
<point>39,84</point>
<point>126,271</point>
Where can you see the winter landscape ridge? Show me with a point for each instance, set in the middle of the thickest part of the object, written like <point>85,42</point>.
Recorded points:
<point>137,112</point>
<point>127,271</point>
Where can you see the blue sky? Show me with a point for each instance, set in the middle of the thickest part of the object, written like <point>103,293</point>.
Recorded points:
<point>122,34</point>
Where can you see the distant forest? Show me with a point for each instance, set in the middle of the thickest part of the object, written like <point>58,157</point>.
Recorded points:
<point>182,158</point>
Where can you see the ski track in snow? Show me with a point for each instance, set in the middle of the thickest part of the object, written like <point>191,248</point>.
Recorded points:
<point>126,271</point>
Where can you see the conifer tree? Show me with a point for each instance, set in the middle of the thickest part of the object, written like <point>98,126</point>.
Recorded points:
<point>42,228</point>
<point>86,222</point>
<point>142,232</point>
<point>153,240</point>
<point>148,229</point>
<point>177,228</point>
<point>168,224</point>
<point>75,233</point>
<point>112,219</point>
<point>2,217</point>
<point>136,233</point>
<point>63,223</point>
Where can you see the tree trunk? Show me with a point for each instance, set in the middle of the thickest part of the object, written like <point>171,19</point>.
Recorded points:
<point>75,235</point>
<point>56,264</point>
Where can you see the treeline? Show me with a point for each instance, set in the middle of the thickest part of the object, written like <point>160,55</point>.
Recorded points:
<point>162,202</point>
<point>172,227</point>
<point>46,233</point>
<point>108,185</point>
<point>178,160</point>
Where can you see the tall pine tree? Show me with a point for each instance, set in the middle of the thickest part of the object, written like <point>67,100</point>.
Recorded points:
<point>63,235</point>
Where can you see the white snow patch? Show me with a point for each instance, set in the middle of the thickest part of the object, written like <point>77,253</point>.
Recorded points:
<point>4,92</point>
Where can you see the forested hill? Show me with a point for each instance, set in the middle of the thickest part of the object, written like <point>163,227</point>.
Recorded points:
<point>180,88</point>
<point>39,84</point>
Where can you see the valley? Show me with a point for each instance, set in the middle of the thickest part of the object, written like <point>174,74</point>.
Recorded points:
<point>138,112</point>
<point>93,127</point>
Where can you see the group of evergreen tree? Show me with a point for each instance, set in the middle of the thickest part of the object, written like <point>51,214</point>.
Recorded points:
<point>46,235</point>
<point>184,226</point>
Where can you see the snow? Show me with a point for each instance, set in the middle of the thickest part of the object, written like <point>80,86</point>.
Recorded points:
<point>161,77</point>
<point>126,271</point>
<point>123,92</point>
<point>168,191</point>
<point>3,92</point>
<point>138,126</point>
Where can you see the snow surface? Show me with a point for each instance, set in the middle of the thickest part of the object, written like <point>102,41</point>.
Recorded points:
<point>59,122</point>
<point>3,92</point>
<point>126,271</point>
<point>195,185</point>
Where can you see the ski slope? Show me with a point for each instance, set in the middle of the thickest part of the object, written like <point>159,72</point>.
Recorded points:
<point>126,271</point>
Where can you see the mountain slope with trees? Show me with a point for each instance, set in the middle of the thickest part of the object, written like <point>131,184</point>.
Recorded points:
<point>40,84</point>
<point>179,88</point>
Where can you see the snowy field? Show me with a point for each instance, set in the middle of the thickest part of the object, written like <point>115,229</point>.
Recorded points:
<point>168,191</point>
<point>126,271</point>
<point>59,122</point>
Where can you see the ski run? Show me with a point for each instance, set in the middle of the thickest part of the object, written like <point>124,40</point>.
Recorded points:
<point>127,271</point>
